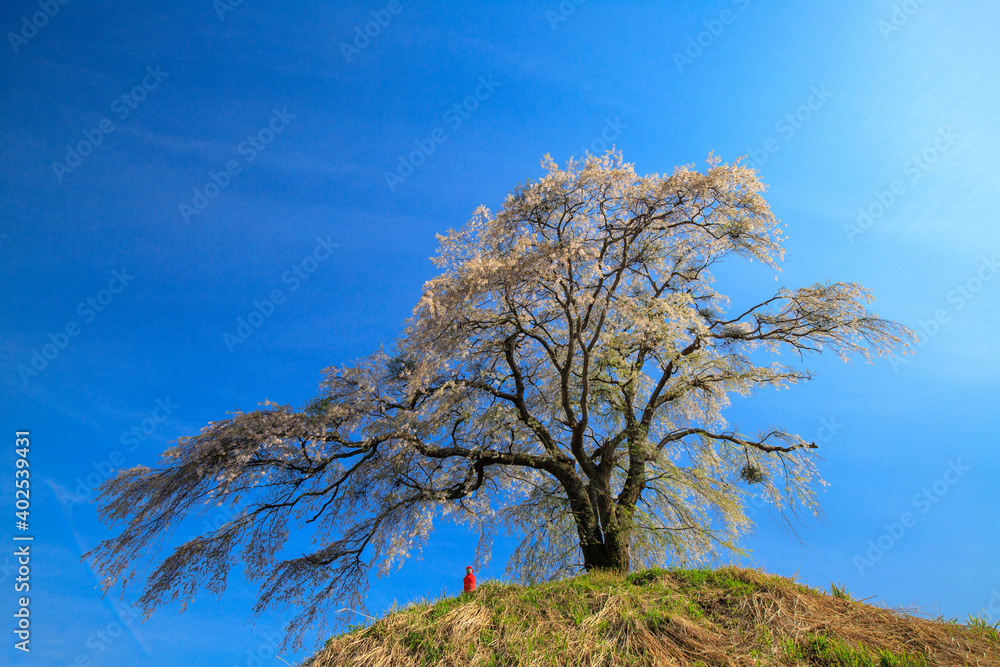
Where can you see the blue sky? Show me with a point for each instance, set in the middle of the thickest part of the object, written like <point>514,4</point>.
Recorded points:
<point>874,124</point>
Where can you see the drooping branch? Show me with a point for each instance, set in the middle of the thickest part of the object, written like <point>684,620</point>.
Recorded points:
<point>831,314</point>
<point>760,444</point>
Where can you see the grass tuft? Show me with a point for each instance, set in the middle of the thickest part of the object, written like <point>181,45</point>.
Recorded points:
<point>840,591</point>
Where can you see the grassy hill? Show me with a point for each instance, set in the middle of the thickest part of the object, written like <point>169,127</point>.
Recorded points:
<point>686,618</point>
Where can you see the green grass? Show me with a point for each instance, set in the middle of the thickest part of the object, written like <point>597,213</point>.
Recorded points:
<point>840,591</point>
<point>981,625</point>
<point>423,644</point>
<point>823,650</point>
<point>728,616</point>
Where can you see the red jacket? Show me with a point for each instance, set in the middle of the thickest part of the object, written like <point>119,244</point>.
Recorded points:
<point>470,582</point>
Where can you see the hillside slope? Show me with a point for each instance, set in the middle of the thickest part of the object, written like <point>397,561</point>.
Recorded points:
<point>683,618</point>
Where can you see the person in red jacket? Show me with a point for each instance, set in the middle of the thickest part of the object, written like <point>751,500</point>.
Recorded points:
<point>470,580</point>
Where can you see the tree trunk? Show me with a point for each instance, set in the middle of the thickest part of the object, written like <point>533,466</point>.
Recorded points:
<point>611,554</point>
<point>603,537</point>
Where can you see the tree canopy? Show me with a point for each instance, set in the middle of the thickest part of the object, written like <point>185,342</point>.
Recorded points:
<point>564,376</point>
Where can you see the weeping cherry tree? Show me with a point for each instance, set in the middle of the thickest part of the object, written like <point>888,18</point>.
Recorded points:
<point>564,376</point>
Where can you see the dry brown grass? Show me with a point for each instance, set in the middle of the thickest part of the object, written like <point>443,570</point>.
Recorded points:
<point>675,618</point>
